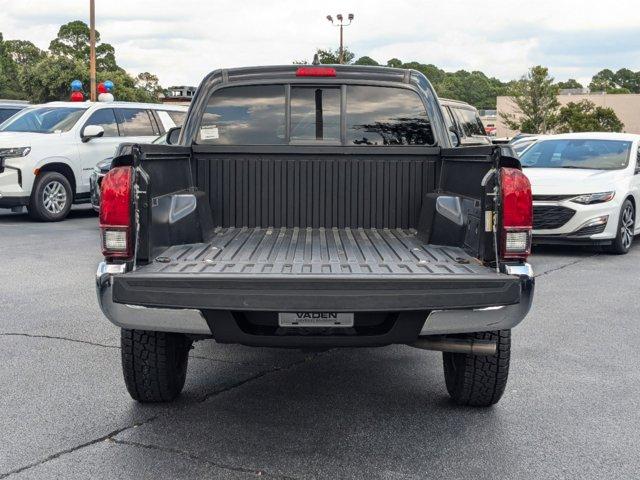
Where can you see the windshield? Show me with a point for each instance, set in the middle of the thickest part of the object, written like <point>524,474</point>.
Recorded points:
<point>44,120</point>
<point>584,153</point>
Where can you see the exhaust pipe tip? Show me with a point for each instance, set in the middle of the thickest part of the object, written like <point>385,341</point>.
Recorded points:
<point>456,345</point>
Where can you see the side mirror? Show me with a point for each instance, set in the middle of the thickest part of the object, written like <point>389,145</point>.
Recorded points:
<point>173,135</point>
<point>92,131</point>
<point>454,136</point>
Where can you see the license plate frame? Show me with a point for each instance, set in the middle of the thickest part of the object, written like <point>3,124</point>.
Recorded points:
<point>315,319</point>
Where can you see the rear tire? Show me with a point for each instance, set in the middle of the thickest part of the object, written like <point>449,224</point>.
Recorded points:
<point>51,197</point>
<point>154,364</point>
<point>626,226</point>
<point>479,380</point>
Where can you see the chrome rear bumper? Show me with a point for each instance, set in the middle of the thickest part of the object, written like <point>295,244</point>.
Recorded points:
<point>192,321</point>
<point>440,322</point>
<point>142,318</point>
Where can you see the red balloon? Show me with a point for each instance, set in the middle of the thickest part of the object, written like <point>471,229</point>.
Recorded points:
<point>77,97</point>
<point>102,88</point>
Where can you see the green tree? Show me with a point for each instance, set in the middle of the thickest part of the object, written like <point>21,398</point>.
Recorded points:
<point>602,81</point>
<point>333,56</point>
<point>149,83</point>
<point>572,83</point>
<point>534,97</point>
<point>73,42</point>
<point>584,116</point>
<point>23,52</point>
<point>471,87</point>
<point>49,79</point>
<point>9,84</point>
<point>394,62</point>
<point>433,73</point>
<point>365,61</point>
<point>622,81</point>
<point>627,79</point>
<point>46,76</point>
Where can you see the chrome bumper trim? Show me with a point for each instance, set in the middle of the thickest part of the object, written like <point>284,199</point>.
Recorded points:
<point>440,322</point>
<point>143,318</point>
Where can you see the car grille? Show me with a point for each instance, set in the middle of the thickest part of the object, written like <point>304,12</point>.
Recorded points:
<point>550,217</point>
<point>552,198</point>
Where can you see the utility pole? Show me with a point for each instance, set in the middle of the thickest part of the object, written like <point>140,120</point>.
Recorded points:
<point>92,50</point>
<point>341,23</point>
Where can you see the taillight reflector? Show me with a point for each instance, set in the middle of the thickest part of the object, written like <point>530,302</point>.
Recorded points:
<point>517,214</point>
<point>316,72</point>
<point>116,211</point>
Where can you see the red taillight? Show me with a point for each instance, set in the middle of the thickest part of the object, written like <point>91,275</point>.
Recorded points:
<point>316,72</point>
<point>517,214</point>
<point>116,210</point>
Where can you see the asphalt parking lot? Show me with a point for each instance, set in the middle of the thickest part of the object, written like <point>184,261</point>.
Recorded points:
<point>571,409</point>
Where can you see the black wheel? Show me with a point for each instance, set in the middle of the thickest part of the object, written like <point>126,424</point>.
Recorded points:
<point>154,364</point>
<point>479,380</point>
<point>626,226</point>
<point>51,197</point>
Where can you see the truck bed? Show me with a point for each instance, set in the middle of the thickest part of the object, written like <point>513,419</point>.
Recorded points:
<point>317,251</point>
<point>291,269</point>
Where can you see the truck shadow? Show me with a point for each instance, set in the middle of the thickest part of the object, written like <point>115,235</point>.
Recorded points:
<point>363,409</point>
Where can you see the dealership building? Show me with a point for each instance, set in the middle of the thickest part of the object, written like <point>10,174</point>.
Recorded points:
<point>626,106</point>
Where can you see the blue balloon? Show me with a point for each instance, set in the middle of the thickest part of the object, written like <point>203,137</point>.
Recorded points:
<point>108,85</point>
<point>76,85</point>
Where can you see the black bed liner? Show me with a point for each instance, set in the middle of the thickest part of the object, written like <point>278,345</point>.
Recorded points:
<point>326,269</point>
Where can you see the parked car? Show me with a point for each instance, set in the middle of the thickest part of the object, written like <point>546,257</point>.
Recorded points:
<point>8,108</point>
<point>520,144</point>
<point>337,214</point>
<point>103,167</point>
<point>49,151</point>
<point>586,189</point>
<point>465,120</point>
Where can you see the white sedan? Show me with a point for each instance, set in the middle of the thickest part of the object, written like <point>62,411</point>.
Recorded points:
<point>586,189</point>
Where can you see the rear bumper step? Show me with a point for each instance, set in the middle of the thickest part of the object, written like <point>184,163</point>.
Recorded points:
<point>448,305</point>
<point>309,293</point>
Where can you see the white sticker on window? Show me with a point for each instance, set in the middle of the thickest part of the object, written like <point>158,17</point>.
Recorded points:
<point>209,132</point>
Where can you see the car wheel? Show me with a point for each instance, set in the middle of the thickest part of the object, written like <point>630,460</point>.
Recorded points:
<point>626,226</point>
<point>51,197</point>
<point>154,364</point>
<point>479,380</point>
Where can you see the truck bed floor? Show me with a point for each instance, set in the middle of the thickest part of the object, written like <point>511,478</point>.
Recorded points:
<point>319,251</point>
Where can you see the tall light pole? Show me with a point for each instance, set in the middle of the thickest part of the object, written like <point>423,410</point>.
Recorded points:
<point>341,23</point>
<point>92,50</point>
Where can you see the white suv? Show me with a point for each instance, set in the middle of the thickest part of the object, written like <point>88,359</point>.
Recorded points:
<point>48,152</point>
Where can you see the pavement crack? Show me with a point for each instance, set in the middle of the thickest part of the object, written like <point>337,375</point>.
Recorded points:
<point>262,374</point>
<point>191,456</point>
<point>53,337</point>
<point>562,267</point>
<point>117,347</point>
<point>66,451</point>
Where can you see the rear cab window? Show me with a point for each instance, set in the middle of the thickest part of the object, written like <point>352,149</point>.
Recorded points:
<point>349,115</point>
<point>386,116</point>
<point>248,115</point>
<point>315,114</point>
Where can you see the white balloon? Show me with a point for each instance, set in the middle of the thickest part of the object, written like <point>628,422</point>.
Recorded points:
<point>105,97</point>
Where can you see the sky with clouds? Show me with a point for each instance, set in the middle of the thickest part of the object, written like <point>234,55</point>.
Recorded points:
<point>182,40</point>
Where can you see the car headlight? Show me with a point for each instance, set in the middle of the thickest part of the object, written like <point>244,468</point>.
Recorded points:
<point>14,152</point>
<point>591,198</point>
<point>104,165</point>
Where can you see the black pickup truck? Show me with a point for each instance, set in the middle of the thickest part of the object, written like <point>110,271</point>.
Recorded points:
<point>316,207</point>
